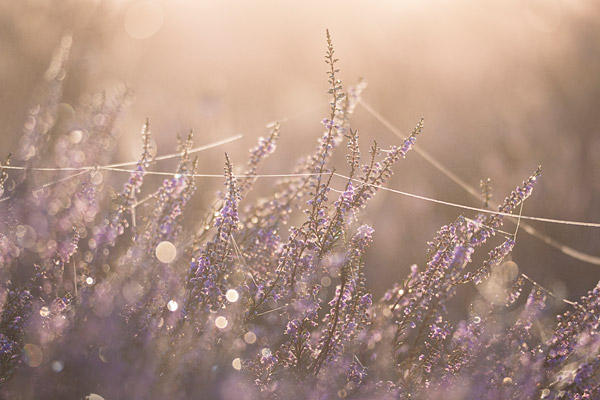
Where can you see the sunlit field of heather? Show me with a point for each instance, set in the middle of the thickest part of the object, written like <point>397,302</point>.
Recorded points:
<point>325,200</point>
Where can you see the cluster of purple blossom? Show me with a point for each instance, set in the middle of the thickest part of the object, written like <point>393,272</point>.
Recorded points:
<point>105,297</point>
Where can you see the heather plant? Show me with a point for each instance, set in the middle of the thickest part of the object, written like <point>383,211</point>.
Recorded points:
<point>108,294</point>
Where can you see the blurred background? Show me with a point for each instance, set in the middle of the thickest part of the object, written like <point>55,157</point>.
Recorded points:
<point>504,85</point>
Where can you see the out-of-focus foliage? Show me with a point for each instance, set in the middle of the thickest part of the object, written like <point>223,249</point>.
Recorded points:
<point>504,85</point>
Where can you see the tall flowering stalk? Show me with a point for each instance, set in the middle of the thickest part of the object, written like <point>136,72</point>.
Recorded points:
<point>172,197</point>
<point>209,268</point>
<point>128,200</point>
<point>348,313</point>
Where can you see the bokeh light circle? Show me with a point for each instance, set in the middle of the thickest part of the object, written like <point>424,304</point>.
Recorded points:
<point>166,252</point>
<point>143,19</point>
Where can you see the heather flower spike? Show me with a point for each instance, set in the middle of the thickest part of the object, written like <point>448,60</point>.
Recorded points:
<point>134,184</point>
<point>209,267</point>
<point>376,173</point>
<point>264,148</point>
